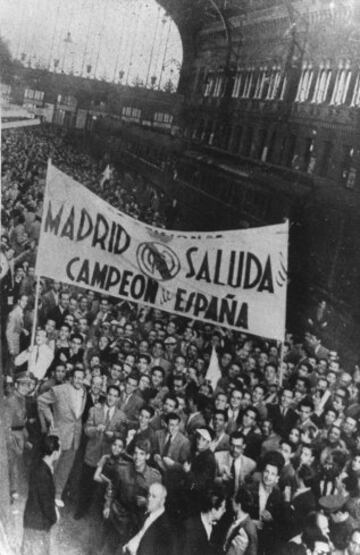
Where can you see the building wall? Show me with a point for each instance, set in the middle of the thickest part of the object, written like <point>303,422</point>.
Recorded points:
<point>286,91</point>
<point>292,124</point>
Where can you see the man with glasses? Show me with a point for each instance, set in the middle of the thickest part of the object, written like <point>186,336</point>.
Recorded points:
<point>233,466</point>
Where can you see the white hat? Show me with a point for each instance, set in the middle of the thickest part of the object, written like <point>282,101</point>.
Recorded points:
<point>204,432</point>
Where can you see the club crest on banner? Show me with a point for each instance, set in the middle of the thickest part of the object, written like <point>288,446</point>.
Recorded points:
<point>158,261</point>
<point>236,279</point>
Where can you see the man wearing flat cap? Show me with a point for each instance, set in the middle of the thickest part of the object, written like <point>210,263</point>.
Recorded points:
<point>341,523</point>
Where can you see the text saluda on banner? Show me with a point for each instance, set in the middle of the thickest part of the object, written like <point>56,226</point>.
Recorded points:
<point>236,279</point>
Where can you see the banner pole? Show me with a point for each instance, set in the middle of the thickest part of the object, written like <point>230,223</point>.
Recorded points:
<point>281,360</point>
<point>36,306</point>
<point>37,291</point>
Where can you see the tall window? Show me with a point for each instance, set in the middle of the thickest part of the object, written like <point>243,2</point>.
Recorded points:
<point>355,100</point>
<point>219,85</point>
<point>306,78</point>
<point>274,83</point>
<point>34,94</point>
<point>248,83</point>
<point>283,88</point>
<point>163,117</point>
<point>237,84</point>
<point>209,84</point>
<point>342,82</point>
<point>261,83</point>
<point>322,84</point>
<point>131,112</point>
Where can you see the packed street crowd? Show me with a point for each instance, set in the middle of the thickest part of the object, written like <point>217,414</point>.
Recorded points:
<point>265,461</point>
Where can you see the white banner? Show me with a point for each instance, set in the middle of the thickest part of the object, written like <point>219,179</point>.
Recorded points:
<point>236,279</point>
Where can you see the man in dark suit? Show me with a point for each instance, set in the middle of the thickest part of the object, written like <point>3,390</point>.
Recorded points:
<point>268,509</point>
<point>198,529</point>
<point>156,536</point>
<point>59,311</point>
<point>130,400</point>
<point>195,404</point>
<point>51,298</point>
<point>283,416</point>
<point>105,423</point>
<point>251,433</point>
<point>143,431</point>
<point>40,511</point>
<point>94,396</point>
<point>221,441</point>
<point>171,446</point>
<point>125,502</point>
<point>157,358</point>
<point>202,467</point>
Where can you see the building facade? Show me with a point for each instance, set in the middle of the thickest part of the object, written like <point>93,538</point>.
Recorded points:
<point>274,102</point>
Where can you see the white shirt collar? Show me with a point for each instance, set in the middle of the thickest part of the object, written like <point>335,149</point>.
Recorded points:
<point>155,515</point>
<point>110,411</point>
<point>207,525</point>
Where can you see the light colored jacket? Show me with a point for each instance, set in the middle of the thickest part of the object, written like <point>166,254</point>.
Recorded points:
<point>67,425</point>
<point>98,443</point>
<point>224,462</point>
<point>14,328</point>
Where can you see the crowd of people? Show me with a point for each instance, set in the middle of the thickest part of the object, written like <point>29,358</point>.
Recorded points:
<point>264,461</point>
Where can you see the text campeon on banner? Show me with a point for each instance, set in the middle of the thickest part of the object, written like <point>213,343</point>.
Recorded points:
<point>236,279</point>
